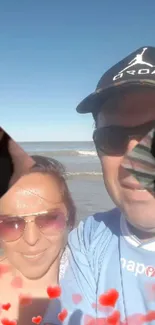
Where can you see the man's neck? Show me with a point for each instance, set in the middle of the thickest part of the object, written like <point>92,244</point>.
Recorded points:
<point>141,235</point>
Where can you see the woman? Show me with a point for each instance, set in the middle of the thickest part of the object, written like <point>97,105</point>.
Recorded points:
<point>36,215</point>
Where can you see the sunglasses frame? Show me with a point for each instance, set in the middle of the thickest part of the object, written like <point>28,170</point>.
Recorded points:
<point>23,218</point>
<point>129,137</point>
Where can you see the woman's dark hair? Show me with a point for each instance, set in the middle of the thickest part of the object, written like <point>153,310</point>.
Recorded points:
<point>6,164</point>
<point>54,168</point>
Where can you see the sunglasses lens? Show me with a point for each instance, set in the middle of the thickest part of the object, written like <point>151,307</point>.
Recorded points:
<point>110,141</point>
<point>113,140</point>
<point>51,223</point>
<point>11,228</point>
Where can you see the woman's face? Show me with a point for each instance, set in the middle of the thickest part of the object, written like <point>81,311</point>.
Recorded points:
<point>35,251</point>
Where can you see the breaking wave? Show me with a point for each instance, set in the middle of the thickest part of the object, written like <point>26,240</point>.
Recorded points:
<point>74,153</point>
<point>84,174</point>
<point>67,153</point>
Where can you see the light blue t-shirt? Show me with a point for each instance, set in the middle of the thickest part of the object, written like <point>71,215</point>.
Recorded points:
<point>104,255</point>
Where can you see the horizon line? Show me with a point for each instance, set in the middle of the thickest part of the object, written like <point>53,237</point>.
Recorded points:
<point>53,141</point>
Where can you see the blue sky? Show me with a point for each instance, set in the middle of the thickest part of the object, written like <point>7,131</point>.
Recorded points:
<point>52,54</point>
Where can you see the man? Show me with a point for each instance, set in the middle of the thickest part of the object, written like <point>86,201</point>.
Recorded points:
<point>116,249</point>
<point>123,107</point>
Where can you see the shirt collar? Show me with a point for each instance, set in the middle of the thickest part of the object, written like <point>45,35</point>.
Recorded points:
<point>133,240</point>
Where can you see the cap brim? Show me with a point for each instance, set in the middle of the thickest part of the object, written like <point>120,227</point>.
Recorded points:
<point>95,100</point>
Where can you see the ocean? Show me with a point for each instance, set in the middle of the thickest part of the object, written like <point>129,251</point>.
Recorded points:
<point>84,173</point>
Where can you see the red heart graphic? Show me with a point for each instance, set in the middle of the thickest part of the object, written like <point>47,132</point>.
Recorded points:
<point>6,306</point>
<point>4,268</point>
<point>6,321</point>
<point>17,282</point>
<point>25,300</point>
<point>89,320</point>
<point>114,319</point>
<point>109,298</point>
<point>136,319</point>
<point>62,315</point>
<point>37,320</point>
<point>150,316</point>
<point>94,305</point>
<point>104,309</point>
<point>54,292</point>
<point>77,298</point>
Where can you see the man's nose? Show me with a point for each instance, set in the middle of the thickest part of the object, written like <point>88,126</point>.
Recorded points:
<point>31,233</point>
<point>132,144</point>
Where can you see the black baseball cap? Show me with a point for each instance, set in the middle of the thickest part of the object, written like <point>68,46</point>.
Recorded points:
<point>137,69</point>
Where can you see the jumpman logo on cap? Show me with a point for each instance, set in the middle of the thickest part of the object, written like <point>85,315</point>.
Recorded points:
<point>138,60</point>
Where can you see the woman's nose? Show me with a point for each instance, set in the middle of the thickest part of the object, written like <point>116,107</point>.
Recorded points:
<point>31,234</point>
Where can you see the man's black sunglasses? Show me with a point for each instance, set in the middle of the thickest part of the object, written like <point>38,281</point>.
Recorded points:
<point>113,140</point>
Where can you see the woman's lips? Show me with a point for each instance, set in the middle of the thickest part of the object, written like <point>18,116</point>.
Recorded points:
<point>33,256</point>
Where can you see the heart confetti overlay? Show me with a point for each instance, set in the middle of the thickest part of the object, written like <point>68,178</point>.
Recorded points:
<point>114,318</point>
<point>17,282</point>
<point>6,321</point>
<point>109,298</point>
<point>62,315</point>
<point>88,320</point>
<point>54,292</point>
<point>25,300</point>
<point>36,320</point>
<point>4,268</point>
<point>149,317</point>
<point>77,298</point>
<point>6,306</point>
<point>150,291</point>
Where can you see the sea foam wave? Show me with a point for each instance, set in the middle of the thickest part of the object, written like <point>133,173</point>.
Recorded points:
<point>54,153</point>
<point>75,153</point>
<point>83,174</point>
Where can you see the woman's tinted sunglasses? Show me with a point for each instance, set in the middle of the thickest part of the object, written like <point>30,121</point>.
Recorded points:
<point>12,227</point>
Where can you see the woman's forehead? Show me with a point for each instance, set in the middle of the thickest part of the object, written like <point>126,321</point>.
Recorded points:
<point>32,193</point>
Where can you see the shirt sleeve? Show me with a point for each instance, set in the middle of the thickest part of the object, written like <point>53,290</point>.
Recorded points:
<point>88,245</point>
